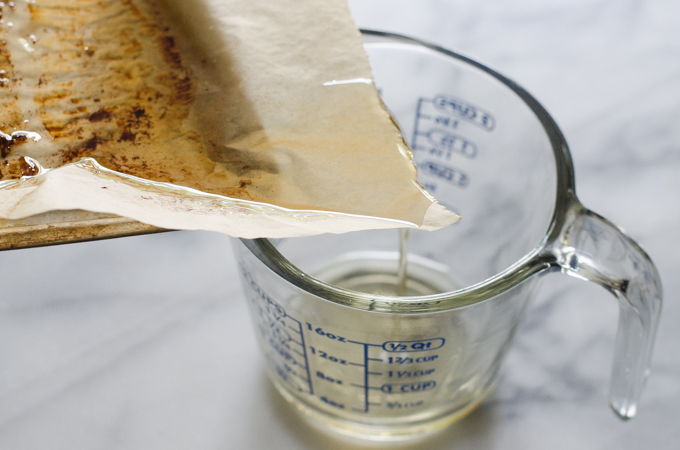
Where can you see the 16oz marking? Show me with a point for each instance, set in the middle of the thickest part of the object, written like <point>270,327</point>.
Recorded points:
<point>321,332</point>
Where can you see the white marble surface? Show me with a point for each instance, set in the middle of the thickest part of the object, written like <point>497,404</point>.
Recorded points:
<point>144,343</point>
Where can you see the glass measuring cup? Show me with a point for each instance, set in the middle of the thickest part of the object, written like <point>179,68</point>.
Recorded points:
<point>352,355</point>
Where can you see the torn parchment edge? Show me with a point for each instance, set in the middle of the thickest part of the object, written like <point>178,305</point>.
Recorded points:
<point>176,207</point>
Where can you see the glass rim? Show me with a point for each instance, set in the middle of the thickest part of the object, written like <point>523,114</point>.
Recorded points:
<point>530,264</point>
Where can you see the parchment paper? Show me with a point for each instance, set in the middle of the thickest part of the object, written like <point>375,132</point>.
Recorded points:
<point>252,118</point>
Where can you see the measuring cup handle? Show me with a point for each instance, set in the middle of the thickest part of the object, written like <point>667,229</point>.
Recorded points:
<point>592,248</point>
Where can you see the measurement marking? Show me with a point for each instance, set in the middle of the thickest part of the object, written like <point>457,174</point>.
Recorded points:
<point>273,323</point>
<point>366,376</point>
<point>302,377</point>
<point>364,343</point>
<point>304,350</point>
<point>372,387</point>
<point>375,359</point>
<point>375,373</point>
<point>358,385</point>
<point>356,364</point>
<point>415,125</point>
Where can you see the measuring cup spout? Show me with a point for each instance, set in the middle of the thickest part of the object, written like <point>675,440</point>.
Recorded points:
<point>591,248</point>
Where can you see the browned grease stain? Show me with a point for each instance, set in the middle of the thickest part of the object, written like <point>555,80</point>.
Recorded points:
<point>5,145</point>
<point>97,115</point>
<point>9,111</point>
<point>170,54</point>
<point>27,169</point>
<point>112,83</point>
<point>18,168</point>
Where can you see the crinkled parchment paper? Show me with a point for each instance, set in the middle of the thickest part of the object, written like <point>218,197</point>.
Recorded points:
<point>253,118</point>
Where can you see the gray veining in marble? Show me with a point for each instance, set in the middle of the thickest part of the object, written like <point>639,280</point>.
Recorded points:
<point>144,343</point>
